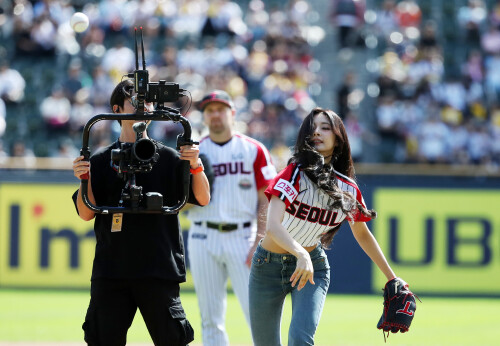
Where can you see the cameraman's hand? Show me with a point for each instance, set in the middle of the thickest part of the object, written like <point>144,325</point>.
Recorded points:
<point>190,153</point>
<point>80,167</point>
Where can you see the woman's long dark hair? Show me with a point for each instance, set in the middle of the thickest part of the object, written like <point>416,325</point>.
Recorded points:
<point>312,163</point>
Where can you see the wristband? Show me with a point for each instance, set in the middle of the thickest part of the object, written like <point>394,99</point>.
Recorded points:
<point>198,169</point>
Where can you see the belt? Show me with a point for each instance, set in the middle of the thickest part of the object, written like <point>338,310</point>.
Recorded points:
<point>224,227</point>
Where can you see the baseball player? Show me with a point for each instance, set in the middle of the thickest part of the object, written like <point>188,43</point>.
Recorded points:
<point>224,234</point>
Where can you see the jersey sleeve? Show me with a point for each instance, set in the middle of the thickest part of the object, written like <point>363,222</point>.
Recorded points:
<point>285,185</point>
<point>358,216</point>
<point>350,185</point>
<point>263,167</point>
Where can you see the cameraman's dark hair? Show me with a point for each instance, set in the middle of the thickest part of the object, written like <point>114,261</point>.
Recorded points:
<point>323,175</point>
<point>122,91</point>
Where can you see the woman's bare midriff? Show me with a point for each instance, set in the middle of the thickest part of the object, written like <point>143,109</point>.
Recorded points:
<point>270,245</point>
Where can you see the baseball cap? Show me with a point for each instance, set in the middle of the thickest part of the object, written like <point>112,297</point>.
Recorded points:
<point>216,96</point>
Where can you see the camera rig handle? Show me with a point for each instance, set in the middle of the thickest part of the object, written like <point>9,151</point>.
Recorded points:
<point>163,114</point>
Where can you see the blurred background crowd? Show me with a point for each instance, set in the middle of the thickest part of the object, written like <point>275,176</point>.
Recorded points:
<point>414,81</point>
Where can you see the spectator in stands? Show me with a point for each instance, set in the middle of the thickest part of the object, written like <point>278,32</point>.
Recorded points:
<point>492,78</point>
<point>355,131</point>
<point>21,151</point>
<point>12,84</point>
<point>408,14</point>
<point>432,140</point>
<point>223,17</point>
<point>490,40</point>
<point>472,18</point>
<point>118,60</point>
<point>388,119</point>
<point>457,144</point>
<point>43,34</point>
<point>80,114</point>
<point>343,93</point>
<point>386,22</point>
<point>56,110</point>
<point>479,145</point>
<point>348,17</point>
<point>75,80</point>
<point>428,37</point>
<point>474,67</point>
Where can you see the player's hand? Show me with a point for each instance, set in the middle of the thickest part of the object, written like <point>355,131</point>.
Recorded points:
<point>304,271</point>
<point>190,153</point>
<point>81,167</point>
<point>248,261</point>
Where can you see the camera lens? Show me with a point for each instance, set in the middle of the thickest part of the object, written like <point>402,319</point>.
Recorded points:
<point>144,149</point>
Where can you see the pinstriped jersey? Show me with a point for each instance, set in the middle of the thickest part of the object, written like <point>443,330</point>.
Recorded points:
<point>241,167</point>
<point>307,215</point>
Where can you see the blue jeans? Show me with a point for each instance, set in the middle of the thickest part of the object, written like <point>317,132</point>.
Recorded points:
<point>270,283</point>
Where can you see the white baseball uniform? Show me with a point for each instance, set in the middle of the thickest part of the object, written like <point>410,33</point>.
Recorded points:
<point>307,214</point>
<point>223,232</point>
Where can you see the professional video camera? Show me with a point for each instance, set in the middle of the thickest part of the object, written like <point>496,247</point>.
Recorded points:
<point>140,156</point>
<point>136,157</point>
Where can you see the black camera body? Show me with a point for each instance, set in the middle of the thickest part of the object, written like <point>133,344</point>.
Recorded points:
<point>157,92</point>
<point>137,157</point>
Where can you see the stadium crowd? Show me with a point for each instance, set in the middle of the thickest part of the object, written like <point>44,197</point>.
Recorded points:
<point>53,80</point>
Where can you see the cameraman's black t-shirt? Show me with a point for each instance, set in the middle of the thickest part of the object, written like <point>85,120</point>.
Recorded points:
<point>149,245</point>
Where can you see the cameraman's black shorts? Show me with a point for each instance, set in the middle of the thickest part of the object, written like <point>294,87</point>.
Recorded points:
<point>113,304</point>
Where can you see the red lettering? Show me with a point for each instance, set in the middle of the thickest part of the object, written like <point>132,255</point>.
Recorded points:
<point>313,215</point>
<point>406,310</point>
<point>324,217</point>
<point>229,168</point>
<point>230,165</point>
<point>302,212</point>
<point>243,170</point>
<point>291,208</point>
<point>334,217</point>
<point>222,169</point>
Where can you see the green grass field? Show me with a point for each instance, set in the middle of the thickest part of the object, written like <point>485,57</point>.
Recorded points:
<point>54,316</point>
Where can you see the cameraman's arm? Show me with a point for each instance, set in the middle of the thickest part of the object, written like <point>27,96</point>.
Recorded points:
<point>80,168</point>
<point>209,173</point>
<point>200,185</point>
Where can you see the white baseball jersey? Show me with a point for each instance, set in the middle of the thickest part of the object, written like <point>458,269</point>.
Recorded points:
<point>241,167</point>
<point>307,215</point>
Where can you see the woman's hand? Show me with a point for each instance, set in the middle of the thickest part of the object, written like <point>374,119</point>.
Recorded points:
<point>304,271</point>
<point>81,167</point>
<point>190,153</point>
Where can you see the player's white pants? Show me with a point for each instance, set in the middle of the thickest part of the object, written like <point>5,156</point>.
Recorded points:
<point>213,257</point>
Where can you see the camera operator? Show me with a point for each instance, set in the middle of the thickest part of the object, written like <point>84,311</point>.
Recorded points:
<point>139,257</point>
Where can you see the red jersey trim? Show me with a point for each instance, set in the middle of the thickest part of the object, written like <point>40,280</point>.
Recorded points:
<point>358,217</point>
<point>285,185</point>
<point>263,167</point>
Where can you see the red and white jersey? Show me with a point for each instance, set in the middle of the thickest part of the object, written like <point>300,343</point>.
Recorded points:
<point>241,167</point>
<point>307,215</point>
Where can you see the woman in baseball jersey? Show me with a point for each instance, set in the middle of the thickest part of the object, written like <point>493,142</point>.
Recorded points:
<point>309,200</point>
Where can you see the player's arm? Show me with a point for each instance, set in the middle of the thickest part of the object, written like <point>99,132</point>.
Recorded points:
<point>81,167</point>
<point>262,205</point>
<point>304,270</point>
<point>370,246</point>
